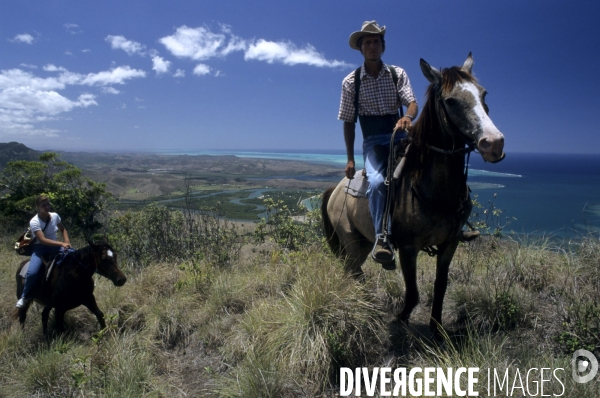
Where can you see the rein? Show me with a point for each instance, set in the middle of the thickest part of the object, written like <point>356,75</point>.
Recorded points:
<point>468,147</point>
<point>78,262</point>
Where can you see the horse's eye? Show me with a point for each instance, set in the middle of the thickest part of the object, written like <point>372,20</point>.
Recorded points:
<point>450,101</point>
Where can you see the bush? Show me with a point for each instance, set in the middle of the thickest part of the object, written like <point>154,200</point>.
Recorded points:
<point>158,234</point>
<point>79,201</point>
<point>286,232</point>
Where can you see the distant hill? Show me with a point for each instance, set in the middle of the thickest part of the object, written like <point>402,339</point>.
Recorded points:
<point>10,151</point>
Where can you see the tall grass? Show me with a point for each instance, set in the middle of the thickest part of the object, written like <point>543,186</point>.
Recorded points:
<point>280,321</point>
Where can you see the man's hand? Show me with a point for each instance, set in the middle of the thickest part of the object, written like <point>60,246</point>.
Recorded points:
<point>350,170</point>
<point>403,124</point>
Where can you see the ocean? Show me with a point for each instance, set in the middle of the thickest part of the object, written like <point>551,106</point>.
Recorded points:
<point>538,194</point>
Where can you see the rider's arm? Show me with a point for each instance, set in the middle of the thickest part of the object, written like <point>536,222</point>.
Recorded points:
<point>64,232</point>
<point>349,136</point>
<point>49,242</point>
<point>411,113</point>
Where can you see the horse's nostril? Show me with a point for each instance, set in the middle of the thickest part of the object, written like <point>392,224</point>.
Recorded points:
<point>484,144</point>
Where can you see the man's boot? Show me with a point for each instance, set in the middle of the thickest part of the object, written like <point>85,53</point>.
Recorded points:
<point>383,254</point>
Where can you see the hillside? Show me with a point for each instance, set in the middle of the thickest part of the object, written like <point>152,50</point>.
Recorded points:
<point>10,151</point>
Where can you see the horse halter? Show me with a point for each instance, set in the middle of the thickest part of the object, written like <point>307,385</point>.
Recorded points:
<point>448,129</point>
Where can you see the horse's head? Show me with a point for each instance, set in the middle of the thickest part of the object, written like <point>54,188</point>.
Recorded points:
<point>462,100</point>
<point>106,260</point>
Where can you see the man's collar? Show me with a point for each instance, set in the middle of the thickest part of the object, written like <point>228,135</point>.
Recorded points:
<point>384,69</point>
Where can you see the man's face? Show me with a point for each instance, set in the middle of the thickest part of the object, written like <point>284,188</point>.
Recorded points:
<point>371,47</point>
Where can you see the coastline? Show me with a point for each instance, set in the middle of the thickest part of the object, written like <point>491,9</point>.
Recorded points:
<point>541,194</point>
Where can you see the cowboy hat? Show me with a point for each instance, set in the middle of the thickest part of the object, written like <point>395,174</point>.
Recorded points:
<point>368,28</point>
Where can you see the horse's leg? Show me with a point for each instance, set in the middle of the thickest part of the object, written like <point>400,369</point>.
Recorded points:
<point>91,304</point>
<point>408,263</point>
<point>45,316</point>
<point>59,317</point>
<point>356,254</point>
<point>444,258</point>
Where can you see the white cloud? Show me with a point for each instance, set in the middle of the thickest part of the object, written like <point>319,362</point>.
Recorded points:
<point>110,90</point>
<point>86,50</point>
<point>130,47</point>
<point>53,68</point>
<point>73,28</point>
<point>22,107</point>
<point>116,75</point>
<point>179,73</point>
<point>14,78</point>
<point>201,69</point>
<point>160,65</point>
<point>29,66</point>
<point>289,54</point>
<point>26,99</point>
<point>200,43</point>
<point>23,38</point>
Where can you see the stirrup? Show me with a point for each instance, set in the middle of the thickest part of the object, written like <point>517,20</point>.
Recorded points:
<point>384,239</point>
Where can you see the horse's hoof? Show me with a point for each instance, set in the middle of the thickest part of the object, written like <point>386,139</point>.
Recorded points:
<point>389,266</point>
<point>437,330</point>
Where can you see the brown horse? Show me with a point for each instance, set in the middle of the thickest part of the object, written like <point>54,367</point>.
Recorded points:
<point>70,284</point>
<point>431,201</point>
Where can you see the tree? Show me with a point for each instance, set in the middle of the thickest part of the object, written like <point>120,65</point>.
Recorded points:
<point>77,199</point>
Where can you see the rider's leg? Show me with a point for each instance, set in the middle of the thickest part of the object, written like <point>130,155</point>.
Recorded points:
<point>377,191</point>
<point>34,272</point>
<point>376,157</point>
<point>31,278</point>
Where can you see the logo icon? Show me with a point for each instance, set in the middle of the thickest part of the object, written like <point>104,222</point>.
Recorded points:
<point>580,366</point>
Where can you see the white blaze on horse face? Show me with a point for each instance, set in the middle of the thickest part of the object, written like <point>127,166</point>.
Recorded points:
<point>489,139</point>
<point>109,253</point>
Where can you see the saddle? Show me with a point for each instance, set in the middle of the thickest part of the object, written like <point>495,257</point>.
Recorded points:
<point>48,262</point>
<point>358,186</point>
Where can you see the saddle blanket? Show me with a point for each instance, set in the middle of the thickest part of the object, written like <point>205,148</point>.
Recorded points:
<point>23,272</point>
<point>357,186</point>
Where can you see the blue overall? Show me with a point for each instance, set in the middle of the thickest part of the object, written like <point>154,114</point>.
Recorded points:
<point>376,168</point>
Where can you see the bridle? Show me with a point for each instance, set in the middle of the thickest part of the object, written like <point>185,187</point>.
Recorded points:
<point>450,130</point>
<point>469,145</point>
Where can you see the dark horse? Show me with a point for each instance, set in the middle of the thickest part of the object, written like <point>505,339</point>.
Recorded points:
<point>431,201</point>
<point>70,284</point>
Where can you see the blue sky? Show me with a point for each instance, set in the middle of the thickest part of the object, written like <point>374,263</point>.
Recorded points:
<point>250,75</point>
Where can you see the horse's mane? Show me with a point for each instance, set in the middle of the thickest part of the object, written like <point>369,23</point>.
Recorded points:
<point>87,250</point>
<point>428,123</point>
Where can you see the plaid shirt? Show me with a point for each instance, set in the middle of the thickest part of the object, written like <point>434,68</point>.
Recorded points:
<point>377,96</point>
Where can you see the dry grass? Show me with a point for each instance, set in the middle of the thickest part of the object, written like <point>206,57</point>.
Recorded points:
<point>277,323</point>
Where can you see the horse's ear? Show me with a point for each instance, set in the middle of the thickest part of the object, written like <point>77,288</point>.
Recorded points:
<point>433,75</point>
<point>468,65</point>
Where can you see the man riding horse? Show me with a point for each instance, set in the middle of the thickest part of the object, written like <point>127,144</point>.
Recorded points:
<point>374,93</point>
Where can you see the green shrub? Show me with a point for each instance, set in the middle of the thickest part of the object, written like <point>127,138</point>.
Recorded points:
<point>79,201</point>
<point>580,326</point>
<point>286,232</point>
<point>156,233</point>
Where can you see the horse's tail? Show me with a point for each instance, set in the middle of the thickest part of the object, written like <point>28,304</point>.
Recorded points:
<point>332,237</point>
